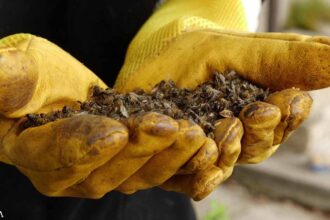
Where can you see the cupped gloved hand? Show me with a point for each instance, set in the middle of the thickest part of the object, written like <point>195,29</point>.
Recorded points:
<point>187,40</point>
<point>84,155</point>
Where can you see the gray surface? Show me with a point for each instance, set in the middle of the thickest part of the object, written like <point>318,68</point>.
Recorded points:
<point>241,205</point>
<point>286,175</point>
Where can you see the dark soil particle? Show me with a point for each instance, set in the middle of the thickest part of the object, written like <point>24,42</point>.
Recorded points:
<point>224,95</point>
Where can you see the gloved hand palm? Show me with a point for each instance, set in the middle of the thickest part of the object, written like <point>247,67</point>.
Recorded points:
<point>85,155</point>
<point>184,41</point>
<point>212,51</point>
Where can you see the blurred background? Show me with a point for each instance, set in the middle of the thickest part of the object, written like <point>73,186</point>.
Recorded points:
<point>294,184</point>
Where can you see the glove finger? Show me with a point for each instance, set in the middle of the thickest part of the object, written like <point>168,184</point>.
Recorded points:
<point>38,76</point>
<point>295,106</point>
<point>61,153</point>
<point>197,186</point>
<point>259,120</point>
<point>319,39</point>
<point>165,164</point>
<point>228,135</point>
<point>293,60</point>
<point>206,156</point>
<point>149,134</point>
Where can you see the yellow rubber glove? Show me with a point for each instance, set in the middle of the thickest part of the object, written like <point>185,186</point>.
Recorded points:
<point>85,155</point>
<point>187,40</point>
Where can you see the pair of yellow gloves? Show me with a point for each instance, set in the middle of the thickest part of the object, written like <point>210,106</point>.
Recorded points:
<point>184,40</point>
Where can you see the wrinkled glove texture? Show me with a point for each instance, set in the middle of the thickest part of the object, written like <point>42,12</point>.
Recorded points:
<point>185,41</point>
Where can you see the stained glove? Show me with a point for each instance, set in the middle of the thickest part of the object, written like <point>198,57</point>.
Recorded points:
<point>85,155</point>
<point>187,40</point>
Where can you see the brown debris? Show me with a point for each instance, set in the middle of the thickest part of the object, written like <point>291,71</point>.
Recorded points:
<point>222,96</point>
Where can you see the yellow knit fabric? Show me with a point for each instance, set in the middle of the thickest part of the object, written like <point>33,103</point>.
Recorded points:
<point>172,19</point>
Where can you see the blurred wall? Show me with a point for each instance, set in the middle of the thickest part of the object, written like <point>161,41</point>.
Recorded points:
<point>313,137</point>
